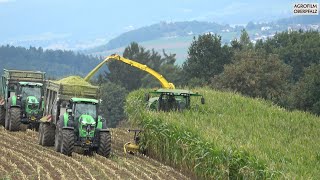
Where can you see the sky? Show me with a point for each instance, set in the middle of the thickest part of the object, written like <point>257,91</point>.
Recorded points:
<point>100,20</point>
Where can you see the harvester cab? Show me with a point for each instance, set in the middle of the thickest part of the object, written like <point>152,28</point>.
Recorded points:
<point>171,99</point>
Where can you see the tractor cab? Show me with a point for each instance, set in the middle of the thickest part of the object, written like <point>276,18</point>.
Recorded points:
<point>171,99</point>
<point>30,95</point>
<point>84,115</point>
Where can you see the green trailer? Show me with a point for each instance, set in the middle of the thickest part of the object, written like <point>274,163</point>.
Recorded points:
<point>22,98</point>
<point>71,119</point>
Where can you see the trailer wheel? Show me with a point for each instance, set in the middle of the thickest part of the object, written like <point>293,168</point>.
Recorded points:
<point>104,148</point>
<point>48,131</point>
<point>67,144</point>
<point>14,119</point>
<point>58,138</point>
<point>7,122</point>
<point>2,115</point>
<point>40,134</point>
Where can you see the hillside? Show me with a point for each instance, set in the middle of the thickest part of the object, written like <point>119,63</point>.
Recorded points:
<point>23,158</point>
<point>176,37</point>
<point>231,136</point>
<point>159,30</point>
<point>56,63</point>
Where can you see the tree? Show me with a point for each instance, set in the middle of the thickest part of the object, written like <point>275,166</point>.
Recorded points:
<point>112,105</point>
<point>306,92</point>
<point>206,58</point>
<point>255,75</point>
<point>298,49</point>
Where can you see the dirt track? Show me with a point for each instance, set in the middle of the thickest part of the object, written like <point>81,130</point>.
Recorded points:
<point>22,158</point>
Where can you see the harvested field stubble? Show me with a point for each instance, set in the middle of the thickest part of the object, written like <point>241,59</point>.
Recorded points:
<point>23,158</point>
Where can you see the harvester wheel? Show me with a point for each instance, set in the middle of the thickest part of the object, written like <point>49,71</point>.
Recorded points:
<point>48,132</point>
<point>2,115</point>
<point>14,119</point>
<point>67,144</point>
<point>58,138</point>
<point>40,134</point>
<point>104,144</point>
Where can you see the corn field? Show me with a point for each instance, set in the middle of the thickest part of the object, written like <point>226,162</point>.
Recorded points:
<point>231,136</point>
<point>22,158</point>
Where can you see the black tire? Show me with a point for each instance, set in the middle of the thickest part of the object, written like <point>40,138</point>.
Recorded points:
<point>104,148</point>
<point>7,122</point>
<point>58,138</point>
<point>14,119</point>
<point>67,144</point>
<point>40,134</point>
<point>48,132</point>
<point>2,115</point>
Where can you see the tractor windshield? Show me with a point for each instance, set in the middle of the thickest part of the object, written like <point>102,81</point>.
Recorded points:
<point>86,108</point>
<point>31,91</point>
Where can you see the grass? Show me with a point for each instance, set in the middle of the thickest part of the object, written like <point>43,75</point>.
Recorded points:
<point>232,136</point>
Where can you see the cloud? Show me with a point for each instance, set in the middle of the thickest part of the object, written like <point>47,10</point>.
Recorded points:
<point>6,1</point>
<point>129,28</point>
<point>185,10</point>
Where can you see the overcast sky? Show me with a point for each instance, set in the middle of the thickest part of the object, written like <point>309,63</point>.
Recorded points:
<point>85,19</point>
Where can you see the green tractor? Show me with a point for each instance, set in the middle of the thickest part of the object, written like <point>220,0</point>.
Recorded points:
<point>23,100</point>
<point>71,122</point>
<point>171,99</point>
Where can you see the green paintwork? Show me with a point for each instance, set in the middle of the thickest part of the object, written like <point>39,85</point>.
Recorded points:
<point>14,100</point>
<point>84,100</point>
<point>32,106</point>
<point>84,122</point>
<point>30,84</point>
<point>65,119</point>
<point>99,125</point>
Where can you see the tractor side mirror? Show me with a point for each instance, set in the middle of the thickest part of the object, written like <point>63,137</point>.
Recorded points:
<point>147,96</point>
<point>69,111</point>
<point>202,100</point>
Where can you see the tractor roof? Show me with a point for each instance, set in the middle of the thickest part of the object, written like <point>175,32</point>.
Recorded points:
<point>176,92</point>
<point>86,100</point>
<point>30,84</point>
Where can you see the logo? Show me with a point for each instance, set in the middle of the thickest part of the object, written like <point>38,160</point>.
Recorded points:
<point>306,8</point>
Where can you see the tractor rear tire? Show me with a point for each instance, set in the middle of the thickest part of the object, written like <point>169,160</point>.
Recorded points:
<point>58,138</point>
<point>14,119</point>
<point>48,132</point>
<point>67,144</point>
<point>2,115</point>
<point>104,148</point>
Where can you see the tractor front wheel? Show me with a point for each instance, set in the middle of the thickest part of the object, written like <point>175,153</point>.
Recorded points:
<point>48,132</point>
<point>14,119</point>
<point>67,143</point>
<point>104,144</point>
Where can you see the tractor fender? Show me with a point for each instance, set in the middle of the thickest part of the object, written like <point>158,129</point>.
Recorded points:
<point>104,130</point>
<point>68,128</point>
<point>14,102</point>
<point>66,121</point>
